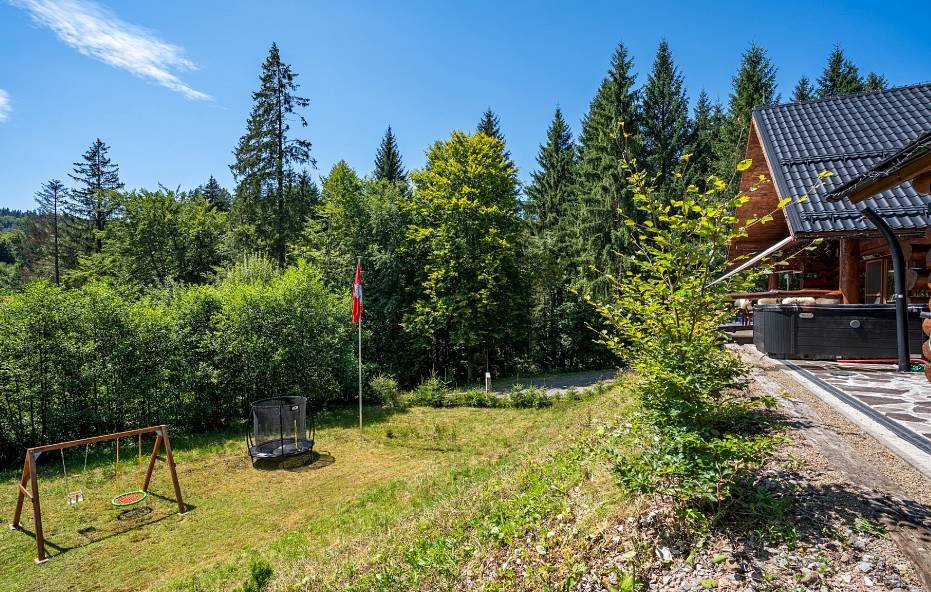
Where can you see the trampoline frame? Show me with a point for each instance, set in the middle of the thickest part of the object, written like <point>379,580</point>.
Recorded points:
<point>298,445</point>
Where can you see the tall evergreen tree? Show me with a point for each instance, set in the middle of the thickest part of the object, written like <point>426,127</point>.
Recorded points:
<point>551,190</point>
<point>753,86</point>
<point>706,129</point>
<point>665,118</point>
<point>266,154</point>
<point>215,194</point>
<point>804,91</point>
<point>875,81</point>
<point>610,132</point>
<point>490,125</point>
<point>840,76</point>
<point>388,165</point>
<point>50,199</point>
<point>92,203</point>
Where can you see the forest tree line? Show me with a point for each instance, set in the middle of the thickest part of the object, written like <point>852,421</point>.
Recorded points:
<point>128,307</point>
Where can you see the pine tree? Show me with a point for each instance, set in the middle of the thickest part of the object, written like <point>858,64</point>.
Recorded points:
<point>804,91</point>
<point>753,86</point>
<point>92,203</point>
<point>551,190</point>
<point>388,165</point>
<point>50,199</point>
<point>610,132</point>
<point>840,76</point>
<point>266,154</point>
<point>665,118</point>
<point>490,125</point>
<point>707,127</point>
<point>875,81</point>
<point>216,195</point>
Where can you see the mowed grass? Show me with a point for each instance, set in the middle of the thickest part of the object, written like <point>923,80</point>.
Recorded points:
<point>313,520</point>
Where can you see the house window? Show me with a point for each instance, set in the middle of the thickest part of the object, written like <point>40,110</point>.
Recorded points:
<point>876,283</point>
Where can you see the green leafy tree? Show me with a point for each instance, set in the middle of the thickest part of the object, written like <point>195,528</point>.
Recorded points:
<point>264,157</point>
<point>664,117</point>
<point>91,204</point>
<point>464,222</point>
<point>804,91</point>
<point>50,200</point>
<point>610,128</point>
<point>388,164</point>
<point>840,76</point>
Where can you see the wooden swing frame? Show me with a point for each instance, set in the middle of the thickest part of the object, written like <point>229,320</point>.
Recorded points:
<point>31,476</point>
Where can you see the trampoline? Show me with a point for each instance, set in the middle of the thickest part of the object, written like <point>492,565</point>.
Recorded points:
<point>279,428</point>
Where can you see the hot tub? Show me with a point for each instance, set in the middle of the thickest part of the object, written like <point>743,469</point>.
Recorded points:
<point>832,331</point>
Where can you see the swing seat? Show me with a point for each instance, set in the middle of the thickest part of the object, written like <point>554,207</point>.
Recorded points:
<point>130,498</point>
<point>75,497</point>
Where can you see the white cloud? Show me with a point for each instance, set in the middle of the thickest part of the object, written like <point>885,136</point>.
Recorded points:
<point>98,33</point>
<point>6,105</point>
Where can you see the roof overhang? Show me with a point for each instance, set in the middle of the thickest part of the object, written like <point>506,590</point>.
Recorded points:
<point>755,259</point>
<point>911,163</point>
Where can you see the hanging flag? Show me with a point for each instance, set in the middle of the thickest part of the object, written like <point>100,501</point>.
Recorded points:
<point>357,294</point>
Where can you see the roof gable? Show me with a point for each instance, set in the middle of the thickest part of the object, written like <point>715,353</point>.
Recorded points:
<point>847,136</point>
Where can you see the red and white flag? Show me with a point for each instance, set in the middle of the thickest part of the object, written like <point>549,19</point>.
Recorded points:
<point>357,294</point>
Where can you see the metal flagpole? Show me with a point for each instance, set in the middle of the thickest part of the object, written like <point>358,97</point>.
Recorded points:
<point>359,263</point>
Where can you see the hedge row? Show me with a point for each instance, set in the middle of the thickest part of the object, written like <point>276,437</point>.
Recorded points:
<point>79,362</point>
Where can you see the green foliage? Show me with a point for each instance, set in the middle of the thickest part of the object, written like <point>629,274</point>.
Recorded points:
<point>88,360</point>
<point>266,156</point>
<point>665,118</point>
<point>840,76</point>
<point>804,91</point>
<point>260,574</point>
<point>388,164</point>
<point>464,226</point>
<point>385,390</point>
<point>699,435</point>
<point>91,204</point>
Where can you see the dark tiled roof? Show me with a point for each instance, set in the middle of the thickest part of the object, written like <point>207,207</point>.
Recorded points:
<point>847,136</point>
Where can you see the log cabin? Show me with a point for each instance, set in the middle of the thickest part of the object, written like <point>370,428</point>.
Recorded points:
<point>808,150</point>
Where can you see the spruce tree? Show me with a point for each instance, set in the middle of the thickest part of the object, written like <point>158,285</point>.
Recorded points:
<point>875,81</point>
<point>840,76</point>
<point>388,165</point>
<point>490,125</point>
<point>610,133</point>
<point>216,195</point>
<point>753,86</point>
<point>50,199</point>
<point>92,203</point>
<point>266,154</point>
<point>707,127</point>
<point>551,190</point>
<point>665,118</point>
<point>804,91</point>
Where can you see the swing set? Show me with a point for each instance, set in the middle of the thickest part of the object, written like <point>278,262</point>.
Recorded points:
<point>122,499</point>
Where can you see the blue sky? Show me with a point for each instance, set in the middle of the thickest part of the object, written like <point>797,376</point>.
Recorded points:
<point>168,84</point>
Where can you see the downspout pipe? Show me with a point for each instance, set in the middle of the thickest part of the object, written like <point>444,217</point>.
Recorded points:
<point>901,293</point>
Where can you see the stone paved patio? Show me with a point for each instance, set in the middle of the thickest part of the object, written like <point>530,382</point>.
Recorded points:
<point>904,398</point>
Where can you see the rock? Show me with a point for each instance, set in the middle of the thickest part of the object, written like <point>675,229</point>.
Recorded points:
<point>865,566</point>
<point>845,558</point>
<point>664,554</point>
<point>868,582</point>
<point>809,577</point>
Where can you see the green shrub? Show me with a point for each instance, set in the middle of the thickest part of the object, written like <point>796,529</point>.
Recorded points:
<point>385,390</point>
<point>530,397</point>
<point>430,393</point>
<point>260,574</point>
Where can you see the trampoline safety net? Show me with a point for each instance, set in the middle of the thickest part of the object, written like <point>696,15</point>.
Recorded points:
<point>279,427</point>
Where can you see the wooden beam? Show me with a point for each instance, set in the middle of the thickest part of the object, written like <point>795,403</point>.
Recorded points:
<point>95,439</point>
<point>849,281</point>
<point>914,169</point>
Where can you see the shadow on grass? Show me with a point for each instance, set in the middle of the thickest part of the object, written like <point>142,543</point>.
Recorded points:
<point>299,463</point>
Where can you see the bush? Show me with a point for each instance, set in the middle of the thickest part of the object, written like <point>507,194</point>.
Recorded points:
<point>260,574</point>
<point>430,393</point>
<point>385,390</point>
<point>528,398</point>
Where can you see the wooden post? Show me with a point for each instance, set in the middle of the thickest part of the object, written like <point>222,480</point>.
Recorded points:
<point>36,508</point>
<point>850,270</point>
<point>171,469</point>
<point>152,459</point>
<point>773,282</point>
<point>22,495</point>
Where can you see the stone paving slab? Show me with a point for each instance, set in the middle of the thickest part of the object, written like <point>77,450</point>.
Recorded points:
<point>902,397</point>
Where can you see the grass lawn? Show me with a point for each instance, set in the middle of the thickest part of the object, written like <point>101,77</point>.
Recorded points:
<point>331,521</point>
